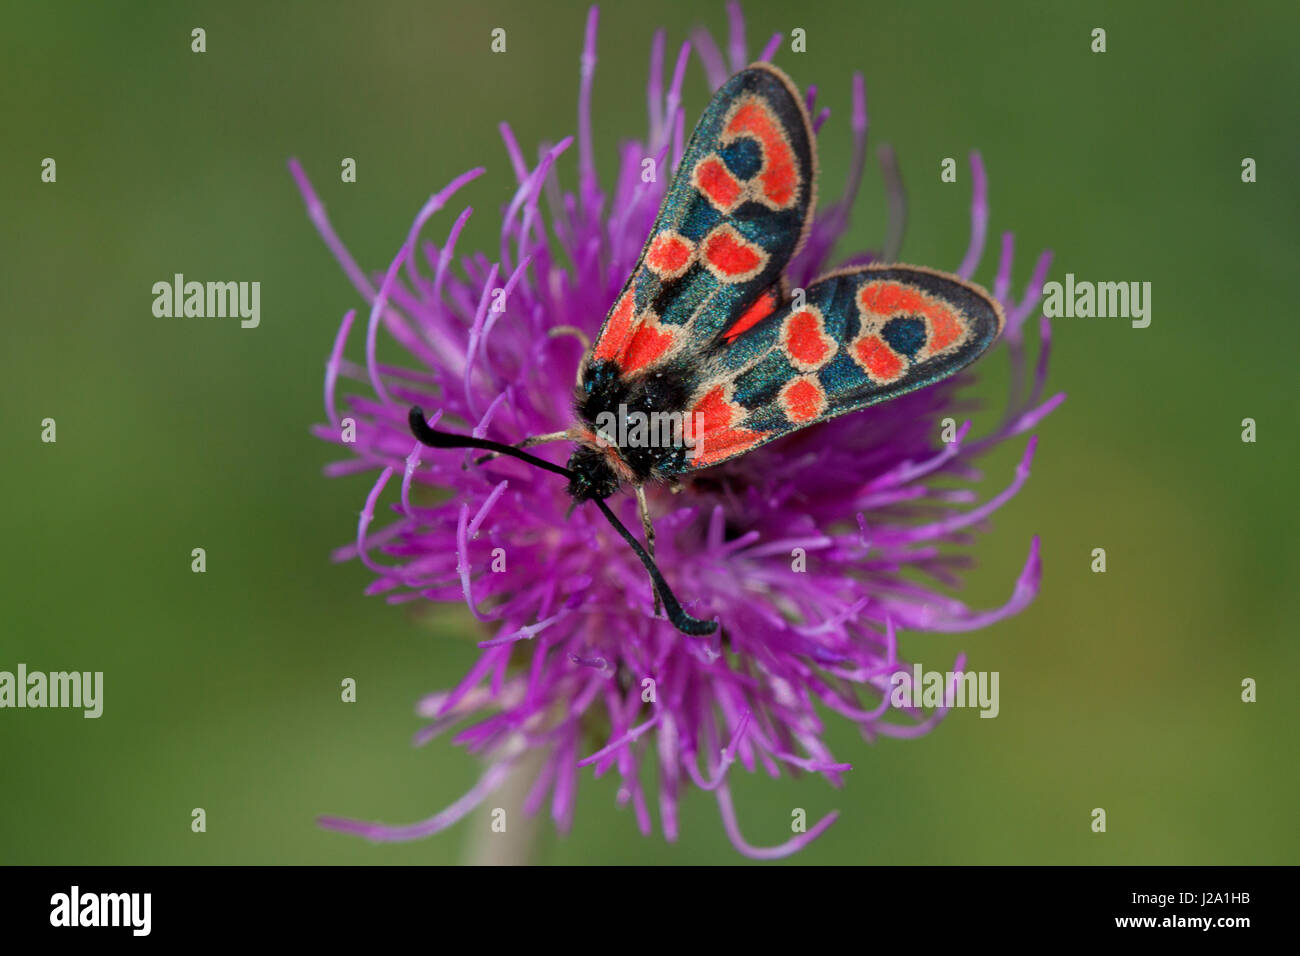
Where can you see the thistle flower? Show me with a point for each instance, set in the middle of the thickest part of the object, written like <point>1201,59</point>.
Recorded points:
<point>572,641</point>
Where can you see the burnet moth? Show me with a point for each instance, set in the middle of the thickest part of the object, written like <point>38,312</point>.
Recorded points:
<point>707,334</point>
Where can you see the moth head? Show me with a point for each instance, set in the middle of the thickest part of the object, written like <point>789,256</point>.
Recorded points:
<point>593,475</point>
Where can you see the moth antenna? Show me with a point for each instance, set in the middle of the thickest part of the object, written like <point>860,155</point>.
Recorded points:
<point>679,618</point>
<point>437,439</point>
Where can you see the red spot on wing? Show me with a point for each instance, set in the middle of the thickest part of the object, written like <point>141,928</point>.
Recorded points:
<point>889,298</point>
<point>731,257</point>
<point>669,254</point>
<point>763,306</point>
<point>780,182</point>
<point>715,181</point>
<point>880,361</point>
<point>709,428</point>
<point>803,400</point>
<point>618,330</point>
<point>649,343</point>
<point>780,177</point>
<point>945,326</point>
<point>806,341</point>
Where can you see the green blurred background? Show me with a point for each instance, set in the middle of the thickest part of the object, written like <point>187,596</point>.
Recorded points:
<point>1118,690</point>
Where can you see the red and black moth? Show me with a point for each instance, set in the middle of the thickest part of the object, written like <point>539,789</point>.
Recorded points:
<point>707,329</point>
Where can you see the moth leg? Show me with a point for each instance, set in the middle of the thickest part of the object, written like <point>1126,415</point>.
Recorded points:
<point>647,526</point>
<point>573,330</point>
<point>526,443</point>
<point>578,334</point>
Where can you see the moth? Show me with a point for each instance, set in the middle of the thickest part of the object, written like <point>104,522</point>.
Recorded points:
<point>707,334</point>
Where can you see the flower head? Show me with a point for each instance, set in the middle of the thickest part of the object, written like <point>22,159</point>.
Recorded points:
<point>573,647</point>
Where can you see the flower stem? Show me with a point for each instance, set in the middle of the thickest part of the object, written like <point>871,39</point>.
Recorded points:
<point>513,846</point>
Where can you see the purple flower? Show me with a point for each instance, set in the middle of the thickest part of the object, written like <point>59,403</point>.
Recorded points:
<point>873,499</point>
